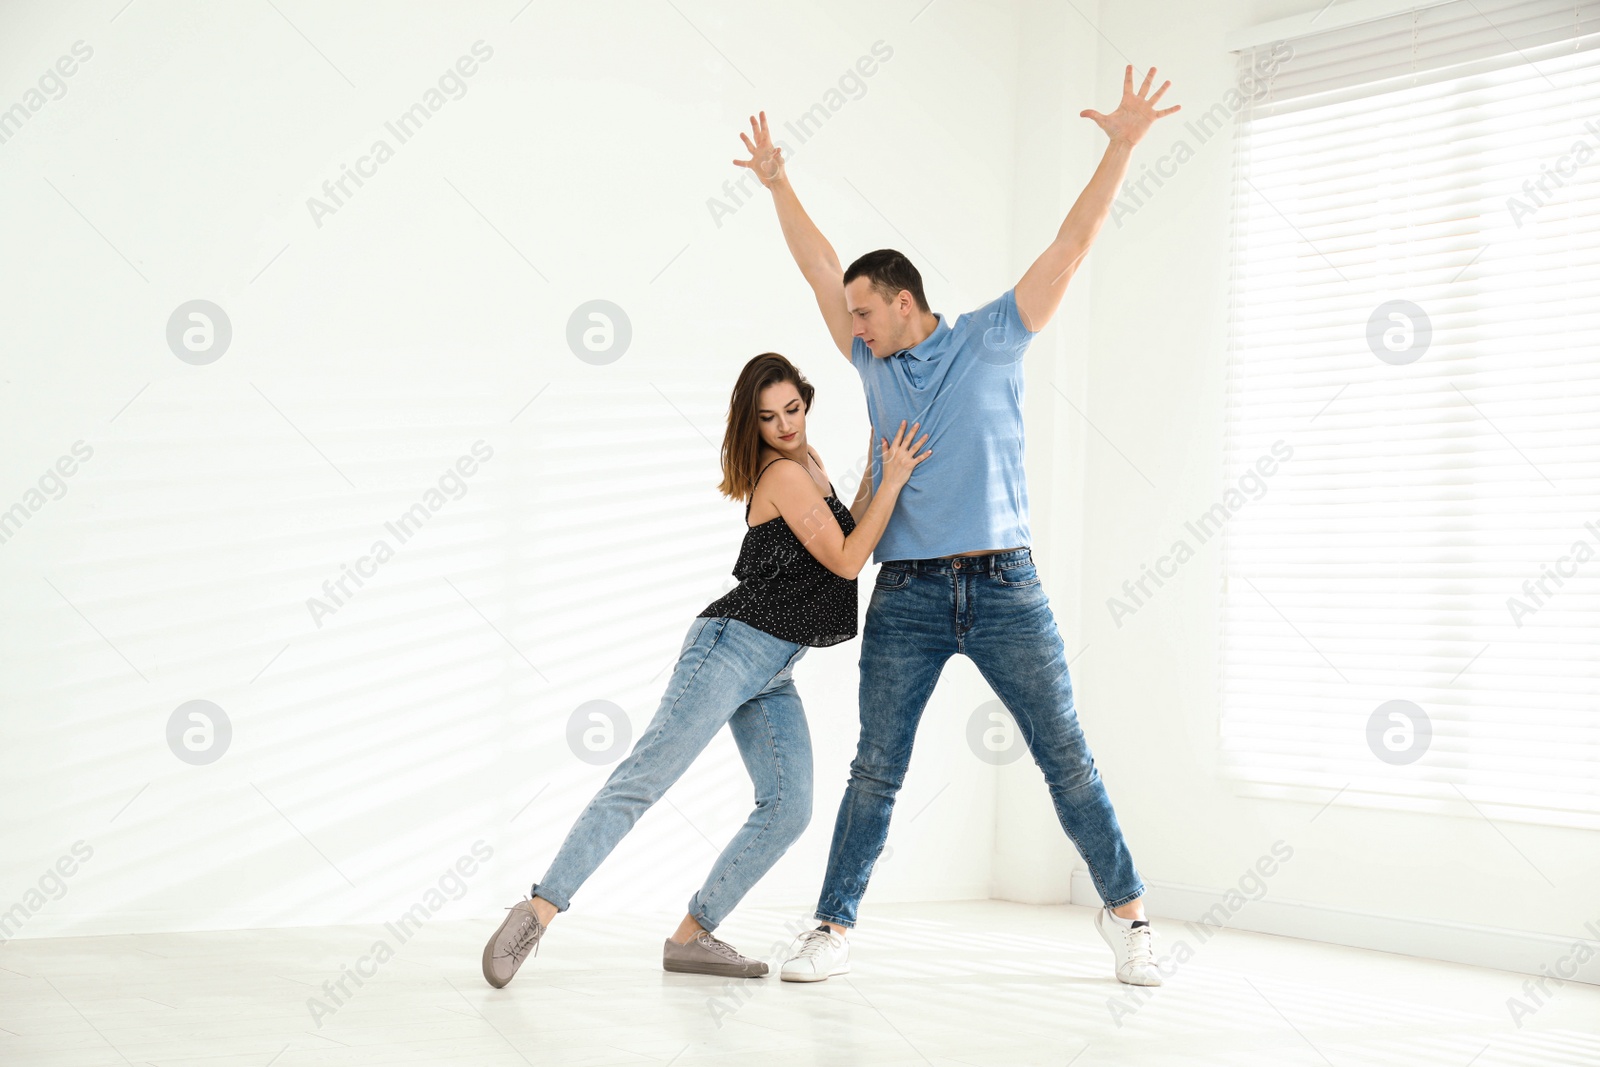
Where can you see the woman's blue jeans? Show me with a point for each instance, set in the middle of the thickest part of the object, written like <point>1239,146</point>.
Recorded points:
<point>727,672</point>
<point>993,610</point>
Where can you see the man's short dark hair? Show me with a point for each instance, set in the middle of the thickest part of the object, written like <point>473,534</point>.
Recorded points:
<point>889,272</point>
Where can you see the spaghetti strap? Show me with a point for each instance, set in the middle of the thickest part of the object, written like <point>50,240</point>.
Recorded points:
<point>757,482</point>
<point>763,470</point>
<point>831,490</point>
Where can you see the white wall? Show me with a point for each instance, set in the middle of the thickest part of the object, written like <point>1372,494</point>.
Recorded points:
<point>427,313</point>
<point>1148,689</point>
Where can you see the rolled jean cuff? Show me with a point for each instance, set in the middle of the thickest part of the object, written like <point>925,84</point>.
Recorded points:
<point>1128,899</point>
<point>562,903</point>
<point>834,919</point>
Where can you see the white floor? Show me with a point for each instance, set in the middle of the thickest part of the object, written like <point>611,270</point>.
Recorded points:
<point>981,983</point>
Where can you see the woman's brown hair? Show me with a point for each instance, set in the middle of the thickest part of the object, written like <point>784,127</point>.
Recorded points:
<point>741,444</point>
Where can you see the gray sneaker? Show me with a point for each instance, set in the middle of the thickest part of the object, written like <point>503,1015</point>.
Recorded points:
<point>510,945</point>
<point>707,955</point>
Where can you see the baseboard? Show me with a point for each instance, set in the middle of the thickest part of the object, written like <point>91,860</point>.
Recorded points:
<point>1479,946</point>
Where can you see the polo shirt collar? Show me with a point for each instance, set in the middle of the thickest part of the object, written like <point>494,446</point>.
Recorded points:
<point>929,346</point>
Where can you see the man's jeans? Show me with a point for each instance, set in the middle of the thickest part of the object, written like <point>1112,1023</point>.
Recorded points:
<point>993,610</point>
<point>727,672</point>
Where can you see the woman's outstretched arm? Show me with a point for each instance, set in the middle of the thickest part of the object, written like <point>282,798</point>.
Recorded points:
<point>807,514</point>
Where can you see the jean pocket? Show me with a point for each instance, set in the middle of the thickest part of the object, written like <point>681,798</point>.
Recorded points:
<point>892,577</point>
<point>1017,575</point>
<point>786,675</point>
<point>697,629</point>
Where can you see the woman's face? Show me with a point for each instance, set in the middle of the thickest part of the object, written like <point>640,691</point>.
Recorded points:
<point>781,417</point>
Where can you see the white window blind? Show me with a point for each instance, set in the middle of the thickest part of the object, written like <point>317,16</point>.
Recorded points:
<point>1411,602</point>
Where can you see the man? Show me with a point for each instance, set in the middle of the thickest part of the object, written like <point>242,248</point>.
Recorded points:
<point>957,575</point>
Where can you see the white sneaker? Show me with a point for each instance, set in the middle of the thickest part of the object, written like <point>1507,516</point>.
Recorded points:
<point>817,955</point>
<point>1136,961</point>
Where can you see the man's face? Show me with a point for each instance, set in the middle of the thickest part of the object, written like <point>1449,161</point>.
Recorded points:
<point>884,325</point>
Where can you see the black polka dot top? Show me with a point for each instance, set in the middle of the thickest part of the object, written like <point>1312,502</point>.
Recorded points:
<point>783,590</point>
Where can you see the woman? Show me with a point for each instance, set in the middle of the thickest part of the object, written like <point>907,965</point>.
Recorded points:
<point>797,568</point>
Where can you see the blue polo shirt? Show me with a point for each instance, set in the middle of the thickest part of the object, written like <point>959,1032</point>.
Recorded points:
<point>963,383</point>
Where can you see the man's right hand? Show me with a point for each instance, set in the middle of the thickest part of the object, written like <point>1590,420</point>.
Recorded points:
<point>766,159</point>
<point>811,251</point>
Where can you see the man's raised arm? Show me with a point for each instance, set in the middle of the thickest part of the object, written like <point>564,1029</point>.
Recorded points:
<point>812,253</point>
<point>1040,291</point>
